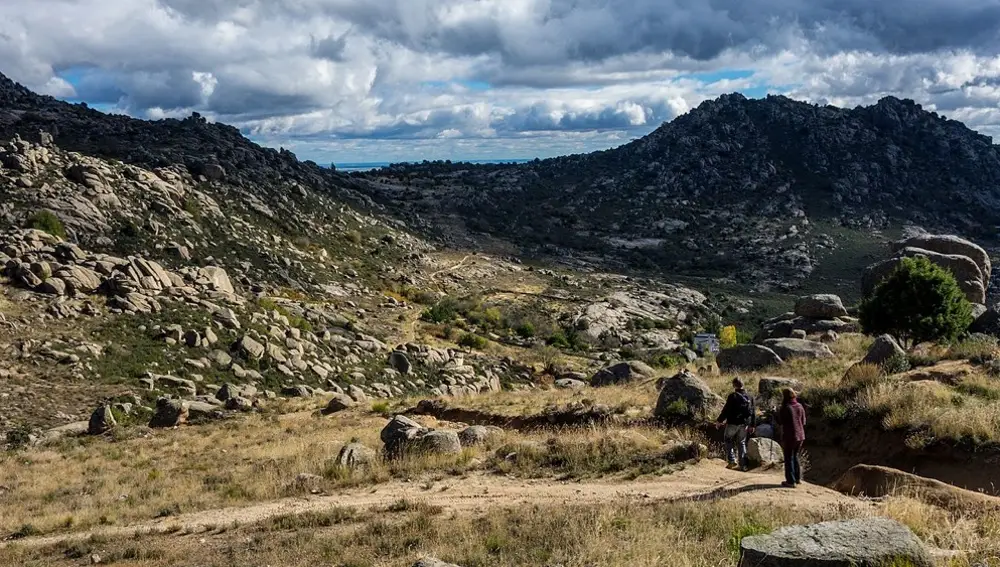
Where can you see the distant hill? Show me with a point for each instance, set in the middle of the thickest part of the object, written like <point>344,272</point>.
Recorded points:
<point>756,190</point>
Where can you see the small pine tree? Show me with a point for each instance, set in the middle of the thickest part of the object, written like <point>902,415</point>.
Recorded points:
<point>727,337</point>
<point>918,302</point>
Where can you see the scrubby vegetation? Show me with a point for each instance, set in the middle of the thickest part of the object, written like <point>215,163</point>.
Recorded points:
<point>918,302</point>
<point>48,222</point>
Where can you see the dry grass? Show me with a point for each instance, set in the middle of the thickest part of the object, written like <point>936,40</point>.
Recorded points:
<point>622,533</point>
<point>638,398</point>
<point>862,376</point>
<point>934,408</point>
<point>596,451</point>
<point>86,482</point>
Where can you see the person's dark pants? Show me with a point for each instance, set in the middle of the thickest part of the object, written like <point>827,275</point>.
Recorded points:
<point>793,473</point>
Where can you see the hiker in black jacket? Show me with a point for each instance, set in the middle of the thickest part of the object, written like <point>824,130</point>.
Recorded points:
<point>740,419</point>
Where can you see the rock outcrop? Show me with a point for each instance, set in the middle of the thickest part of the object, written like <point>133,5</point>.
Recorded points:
<point>747,357</point>
<point>101,421</point>
<point>882,350</point>
<point>355,455</point>
<point>873,542</point>
<point>402,434</point>
<point>813,315</point>
<point>820,307</point>
<point>788,349</point>
<point>877,482</point>
<point>950,245</point>
<point>697,397</point>
<point>763,451</point>
<point>622,373</point>
<point>339,403</point>
<point>478,435</point>
<point>433,562</point>
<point>968,262</point>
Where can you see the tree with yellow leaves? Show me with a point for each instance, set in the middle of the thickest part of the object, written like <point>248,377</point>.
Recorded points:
<point>727,337</point>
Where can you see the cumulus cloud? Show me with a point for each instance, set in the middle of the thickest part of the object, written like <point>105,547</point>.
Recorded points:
<point>515,77</point>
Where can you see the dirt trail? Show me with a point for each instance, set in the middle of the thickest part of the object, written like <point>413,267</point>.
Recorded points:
<point>709,480</point>
<point>460,264</point>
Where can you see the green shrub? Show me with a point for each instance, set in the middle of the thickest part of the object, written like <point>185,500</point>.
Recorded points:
<point>679,408</point>
<point>744,337</point>
<point>835,411</point>
<point>668,361</point>
<point>26,530</point>
<point>918,302</point>
<point>896,364</point>
<point>568,338</point>
<point>918,360</point>
<point>713,324</point>
<point>525,330</point>
<point>192,206</point>
<point>443,311</point>
<point>473,341</point>
<point>48,222</point>
<point>558,340</point>
<point>301,324</point>
<point>19,437</point>
<point>493,316</point>
<point>978,349</point>
<point>381,407</point>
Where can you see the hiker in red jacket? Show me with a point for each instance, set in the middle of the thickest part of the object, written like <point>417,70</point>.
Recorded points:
<point>792,417</point>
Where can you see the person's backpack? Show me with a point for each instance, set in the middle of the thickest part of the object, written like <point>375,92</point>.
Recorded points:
<point>743,410</point>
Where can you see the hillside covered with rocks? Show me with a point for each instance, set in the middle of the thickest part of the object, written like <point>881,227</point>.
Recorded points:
<point>772,193</point>
<point>183,272</point>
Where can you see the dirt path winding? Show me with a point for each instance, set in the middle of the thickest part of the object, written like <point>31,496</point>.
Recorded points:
<point>706,481</point>
<point>460,264</point>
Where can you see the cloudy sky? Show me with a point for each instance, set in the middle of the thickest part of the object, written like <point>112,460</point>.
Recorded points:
<point>388,80</point>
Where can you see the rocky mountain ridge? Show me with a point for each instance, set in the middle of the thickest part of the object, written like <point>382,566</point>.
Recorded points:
<point>757,190</point>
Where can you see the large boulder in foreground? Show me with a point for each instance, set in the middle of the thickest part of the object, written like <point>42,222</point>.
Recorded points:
<point>948,244</point>
<point>882,350</point>
<point>870,542</point>
<point>798,348</point>
<point>747,357</point>
<point>622,373</point>
<point>822,306</point>
<point>686,387</point>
